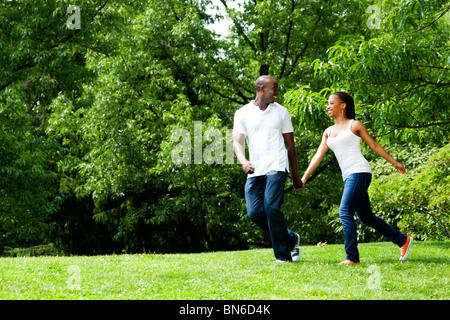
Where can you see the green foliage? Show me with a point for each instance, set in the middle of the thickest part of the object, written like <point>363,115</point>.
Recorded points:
<point>419,200</point>
<point>398,75</point>
<point>34,251</point>
<point>27,183</point>
<point>88,116</point>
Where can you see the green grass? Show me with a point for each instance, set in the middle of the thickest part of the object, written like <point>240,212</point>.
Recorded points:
<point>234,275</point>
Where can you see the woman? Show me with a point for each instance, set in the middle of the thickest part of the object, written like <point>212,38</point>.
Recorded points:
<point>344,139</point>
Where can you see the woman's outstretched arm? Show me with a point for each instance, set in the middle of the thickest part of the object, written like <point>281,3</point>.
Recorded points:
<point>360,129</point>
<point>315,161</point>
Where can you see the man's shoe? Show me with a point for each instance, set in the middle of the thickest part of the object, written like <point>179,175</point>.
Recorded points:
<point>404,250</point>
<point>280,261</point>
<point>347,263</point>
<point>296,253</point>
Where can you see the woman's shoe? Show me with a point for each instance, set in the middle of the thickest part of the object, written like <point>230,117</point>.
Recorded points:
<point>348,263</point>
<point>404,250</point>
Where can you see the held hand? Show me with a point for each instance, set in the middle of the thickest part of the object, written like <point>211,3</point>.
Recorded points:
<point>248,167</point>
<point>304,182</point>
<point>297,182</point>
<point>400,168</point>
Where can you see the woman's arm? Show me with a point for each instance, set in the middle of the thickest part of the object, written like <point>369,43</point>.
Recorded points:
<point>360,129</point>
<point>315,161</point>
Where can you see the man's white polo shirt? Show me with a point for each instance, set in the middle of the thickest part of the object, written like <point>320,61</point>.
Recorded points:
<point>264,135</point>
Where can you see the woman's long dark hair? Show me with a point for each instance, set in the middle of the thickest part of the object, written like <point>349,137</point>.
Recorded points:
<point>348,100</point>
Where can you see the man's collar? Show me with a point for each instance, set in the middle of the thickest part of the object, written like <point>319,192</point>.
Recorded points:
<point>267,109</point>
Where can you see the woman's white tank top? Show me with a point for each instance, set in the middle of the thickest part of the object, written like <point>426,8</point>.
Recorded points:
<point>347,149</point>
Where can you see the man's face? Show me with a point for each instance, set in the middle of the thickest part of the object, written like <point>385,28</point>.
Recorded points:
<point>270,91</point>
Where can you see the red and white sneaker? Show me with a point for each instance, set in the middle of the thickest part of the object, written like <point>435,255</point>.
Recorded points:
<point>404,250</point>
<point>347,263</point>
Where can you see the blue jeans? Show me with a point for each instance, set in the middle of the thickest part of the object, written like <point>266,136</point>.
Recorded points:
<point>356,199</point>
<point>264,196</point>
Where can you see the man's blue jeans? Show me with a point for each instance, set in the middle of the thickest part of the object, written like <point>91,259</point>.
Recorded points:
<point>356,199</point>
<point>264,196</point>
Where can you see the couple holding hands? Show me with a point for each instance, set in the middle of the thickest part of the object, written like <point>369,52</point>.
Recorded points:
<point>267,128</point>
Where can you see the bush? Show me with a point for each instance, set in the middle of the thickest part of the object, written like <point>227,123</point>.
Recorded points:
<point>417,201</point>
<point>34,251</point>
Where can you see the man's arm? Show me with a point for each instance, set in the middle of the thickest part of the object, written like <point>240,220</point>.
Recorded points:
<point>293,162</point>
<point>239,150</point>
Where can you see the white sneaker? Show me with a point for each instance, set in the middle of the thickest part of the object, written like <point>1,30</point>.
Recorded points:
<point>280,261</point>
<point>296,254</point>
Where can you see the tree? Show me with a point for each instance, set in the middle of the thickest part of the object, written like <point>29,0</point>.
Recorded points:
<point>37,62</point>
<point>106,108</point>
<point>398,74</point>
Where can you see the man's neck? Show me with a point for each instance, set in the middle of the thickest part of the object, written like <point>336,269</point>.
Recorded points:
<point>260,104</point>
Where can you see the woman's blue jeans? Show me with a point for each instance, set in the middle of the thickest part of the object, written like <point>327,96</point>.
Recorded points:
<point>356,199</point>
<point>264,196</point>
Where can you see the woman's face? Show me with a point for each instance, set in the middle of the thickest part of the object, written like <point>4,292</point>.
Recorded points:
<point>335,106</point>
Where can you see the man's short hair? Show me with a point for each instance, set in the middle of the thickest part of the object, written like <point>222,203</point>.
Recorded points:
<point>261,82</point>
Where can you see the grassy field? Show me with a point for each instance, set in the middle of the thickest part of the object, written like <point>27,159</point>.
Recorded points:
<point>234,275</point>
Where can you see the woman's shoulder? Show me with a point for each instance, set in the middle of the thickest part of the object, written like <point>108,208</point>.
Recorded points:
<point>356,122</point>
<point>357,127</point>
<point>328,131</point>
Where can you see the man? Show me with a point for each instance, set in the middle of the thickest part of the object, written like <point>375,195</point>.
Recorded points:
<point>267,127</point>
